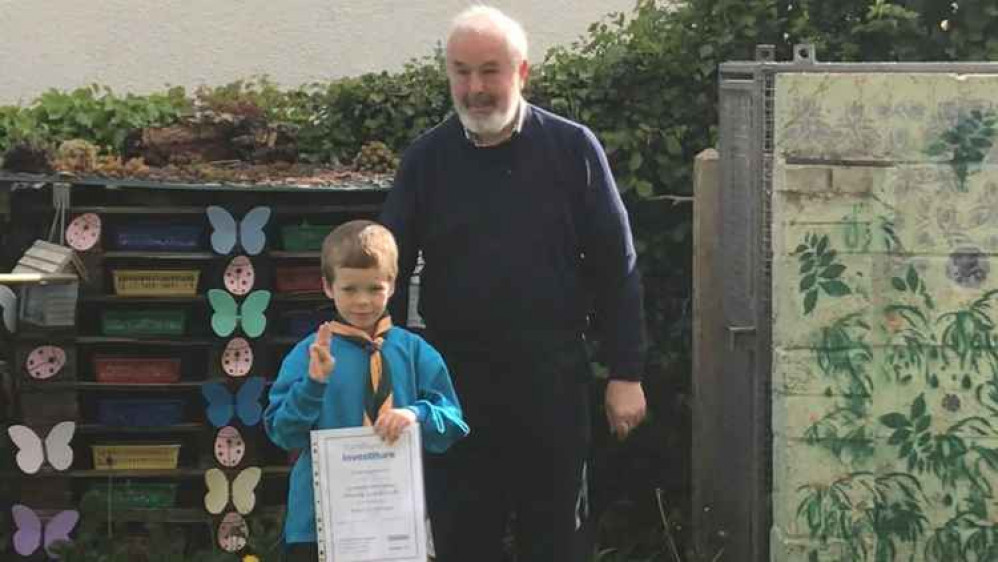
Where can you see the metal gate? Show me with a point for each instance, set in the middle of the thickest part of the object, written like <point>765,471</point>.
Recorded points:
<point>846,355</point>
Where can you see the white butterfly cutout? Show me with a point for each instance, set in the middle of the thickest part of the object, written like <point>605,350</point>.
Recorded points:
<point>33,450</point>
<point>243,486</point>
<point>8,300</point>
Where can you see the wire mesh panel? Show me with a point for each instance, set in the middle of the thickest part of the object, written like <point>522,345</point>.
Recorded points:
<point>860,219</point>
<point>730,499</point>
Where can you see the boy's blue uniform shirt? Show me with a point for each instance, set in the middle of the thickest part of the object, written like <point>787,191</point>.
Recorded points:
<point>298,404</point>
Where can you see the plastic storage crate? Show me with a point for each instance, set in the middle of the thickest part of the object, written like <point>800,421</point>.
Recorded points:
<point>304,237</point>
<point>51,306</point>
<point>144,322</point>
<point>136,456</point>
<point>137,412</point>
<point>156,283</point>
<point>135,495</point>
<point>298,279</point>
<point>300,323</point>
<point>157,237</point>
<point>129,370</point>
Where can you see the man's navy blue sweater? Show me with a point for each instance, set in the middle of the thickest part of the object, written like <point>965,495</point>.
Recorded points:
<point>530,234</point>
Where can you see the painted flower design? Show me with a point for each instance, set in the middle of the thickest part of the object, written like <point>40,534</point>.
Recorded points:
<point>806,126</point>
<point>968,267</point>
<point>946,217</point>
<point>894,322</point>
<point>951,402</point>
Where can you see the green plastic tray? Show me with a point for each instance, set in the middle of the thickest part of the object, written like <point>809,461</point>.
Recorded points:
<point>137,495</point>
<point>141,322</point>
<point>304,237</point>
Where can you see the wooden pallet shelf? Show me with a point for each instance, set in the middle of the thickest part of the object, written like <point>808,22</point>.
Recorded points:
<point>122,387</point>
<point>171,256</point>
<point>75,395</point>
<point>180,473</point>
<point>98,429</point>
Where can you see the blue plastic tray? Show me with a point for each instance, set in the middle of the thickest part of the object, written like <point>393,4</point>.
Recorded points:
<point>139,413</point>
<point>300,323</point>
<point>158,237</point>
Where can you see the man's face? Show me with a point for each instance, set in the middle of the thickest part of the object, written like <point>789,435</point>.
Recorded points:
<point>485,82</point>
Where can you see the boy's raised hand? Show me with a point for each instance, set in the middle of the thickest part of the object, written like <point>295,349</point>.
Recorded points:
<point>320,360</point>
<point>390,424</point>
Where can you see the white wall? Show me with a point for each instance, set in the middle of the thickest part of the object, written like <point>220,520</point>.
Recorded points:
<point>142,45</point>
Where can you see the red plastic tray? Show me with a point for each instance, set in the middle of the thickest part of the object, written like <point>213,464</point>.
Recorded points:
<point>299,279</point>
<point>149,370</point>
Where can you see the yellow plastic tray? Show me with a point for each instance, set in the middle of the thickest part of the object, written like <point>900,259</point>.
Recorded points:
<point>135,457</point>
<point>156,283</point>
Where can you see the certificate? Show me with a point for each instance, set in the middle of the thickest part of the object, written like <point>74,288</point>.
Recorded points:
<point>369,503</point>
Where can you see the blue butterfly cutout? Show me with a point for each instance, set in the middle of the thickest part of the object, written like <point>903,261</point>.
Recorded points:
<point>249,231</point>
<point>223,405</point>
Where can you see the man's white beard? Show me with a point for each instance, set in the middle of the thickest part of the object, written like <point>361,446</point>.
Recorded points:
<point>489,125</point>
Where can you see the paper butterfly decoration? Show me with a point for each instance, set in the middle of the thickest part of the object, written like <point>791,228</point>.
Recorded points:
<point>232,532</point>
<point>237,358</point>
<point>8,300</point>
<point>243,495</point>
<point>29,534</point>
<point>83,232</point>
<point>239,276</point>
<point>33,450</point>
<point>228,314</point>
<point>223,405</point>
<point>229,447</point>
<point>45,361</point>
<point>249,231</point>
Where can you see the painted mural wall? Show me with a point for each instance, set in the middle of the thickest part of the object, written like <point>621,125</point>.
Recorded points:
<point>885,366</point>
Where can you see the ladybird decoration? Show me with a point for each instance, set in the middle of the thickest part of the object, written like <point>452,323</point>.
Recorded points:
<point>45,362</point>
<point>237,358</point>
<point>239,276</point>
<point>232,532</point>
<point>83,232</point>
<point>229,447</point>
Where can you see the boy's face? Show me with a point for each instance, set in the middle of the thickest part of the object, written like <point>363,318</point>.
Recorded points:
<point>361,295</point>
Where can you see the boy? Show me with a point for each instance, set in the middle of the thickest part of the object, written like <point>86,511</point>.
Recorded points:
<point>356,370</point>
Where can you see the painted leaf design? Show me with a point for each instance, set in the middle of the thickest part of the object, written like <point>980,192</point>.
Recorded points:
<point>912,279</point>
<point>836,288</point>
<point>833,271</point>
<point>809,301</point>
<point>895,420</point>
<point>918,407</point>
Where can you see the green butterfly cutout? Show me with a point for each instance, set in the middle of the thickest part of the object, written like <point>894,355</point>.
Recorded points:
<point>228,314</point>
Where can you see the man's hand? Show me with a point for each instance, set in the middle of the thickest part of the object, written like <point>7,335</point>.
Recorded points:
<point>625,406</point>
<point>320,359</point>
<point>390,424</point>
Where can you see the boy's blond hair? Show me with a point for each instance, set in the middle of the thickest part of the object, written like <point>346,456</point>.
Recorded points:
<point>360,244</point>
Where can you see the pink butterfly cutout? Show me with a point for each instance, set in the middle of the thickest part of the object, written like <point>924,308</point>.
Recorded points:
<point>29,534</point>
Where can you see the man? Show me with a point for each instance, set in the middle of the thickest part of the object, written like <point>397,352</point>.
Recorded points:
<point>522,233</point>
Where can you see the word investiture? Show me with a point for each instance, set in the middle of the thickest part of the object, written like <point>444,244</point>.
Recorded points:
<point>372,456</point>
